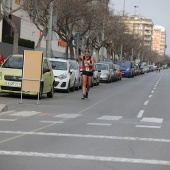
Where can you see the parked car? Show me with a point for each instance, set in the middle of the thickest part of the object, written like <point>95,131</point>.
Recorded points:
<point>146,69</point>
<point>112,70</point>
<point>11,77</point>
<point>74,65</point>
<point>64,74</point>
<point>136,69</point>
<point>96,75</point>
<point>126,68</point>
<point>118,72</point>
<point>106,74</point>
<point>141,70</point>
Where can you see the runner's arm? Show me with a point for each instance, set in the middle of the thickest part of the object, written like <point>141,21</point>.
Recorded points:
<point>92,62</point>
<point>80,58</point>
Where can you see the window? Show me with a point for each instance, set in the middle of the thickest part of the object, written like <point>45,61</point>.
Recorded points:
<point>17,1</point>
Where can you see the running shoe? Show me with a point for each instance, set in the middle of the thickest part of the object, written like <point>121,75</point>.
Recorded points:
<point>83,97</point>
<point>86,96</point>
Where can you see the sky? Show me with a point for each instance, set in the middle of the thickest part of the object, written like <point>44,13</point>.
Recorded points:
<point>156,10</point>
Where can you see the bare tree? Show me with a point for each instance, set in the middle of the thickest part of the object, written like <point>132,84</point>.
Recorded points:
<point>72,16</point>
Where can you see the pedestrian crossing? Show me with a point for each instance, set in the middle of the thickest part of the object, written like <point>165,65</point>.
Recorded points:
<point>104,120</point>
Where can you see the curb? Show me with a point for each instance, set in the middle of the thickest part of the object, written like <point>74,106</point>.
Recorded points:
<point>3,108</point>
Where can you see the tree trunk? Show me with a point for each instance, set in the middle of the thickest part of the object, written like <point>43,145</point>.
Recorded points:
<point>16,35</point>
<point>66,51</point>
<point>71,50</point>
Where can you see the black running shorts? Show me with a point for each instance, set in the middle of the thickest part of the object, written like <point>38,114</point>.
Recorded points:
<point>87,73</point>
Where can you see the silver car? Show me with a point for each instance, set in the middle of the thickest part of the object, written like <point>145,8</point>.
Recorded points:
<point>106,75</point>
<point>96,75</point>
<point>75,67</point>
<point>112,70</point>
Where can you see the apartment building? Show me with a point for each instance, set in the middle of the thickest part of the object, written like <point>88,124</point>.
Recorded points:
<point>27,29</point>
<point>142,26</point>
<point>159,40</point>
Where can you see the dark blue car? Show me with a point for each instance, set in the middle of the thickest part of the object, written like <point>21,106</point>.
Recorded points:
<point>126,68</point>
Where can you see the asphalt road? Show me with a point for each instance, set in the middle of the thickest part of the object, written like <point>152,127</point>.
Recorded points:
<point>122,126</point>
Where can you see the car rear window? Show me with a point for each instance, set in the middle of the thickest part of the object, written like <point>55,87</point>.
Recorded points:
<point>102,67</point>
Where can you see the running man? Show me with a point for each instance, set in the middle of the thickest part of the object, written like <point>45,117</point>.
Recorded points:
<point>87,72</point>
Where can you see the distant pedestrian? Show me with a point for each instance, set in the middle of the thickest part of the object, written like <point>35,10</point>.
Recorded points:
<point>1,58</point>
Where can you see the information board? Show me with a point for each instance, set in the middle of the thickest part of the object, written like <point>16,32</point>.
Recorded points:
<point>32,70</point>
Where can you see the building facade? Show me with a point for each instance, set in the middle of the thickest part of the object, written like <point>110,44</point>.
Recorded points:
<point>27,29</point>
<point>142,26</point>
<point>159,40</point>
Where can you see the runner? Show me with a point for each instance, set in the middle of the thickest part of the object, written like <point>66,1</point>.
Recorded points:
<point>87,72</point>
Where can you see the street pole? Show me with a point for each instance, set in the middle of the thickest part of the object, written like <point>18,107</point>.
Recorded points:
<point>49,35</point>
<point>121,48</point>
<point>77,44</point>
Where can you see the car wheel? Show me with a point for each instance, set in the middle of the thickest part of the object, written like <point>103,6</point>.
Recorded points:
<point>73,88</point>
<point>95,83</point>
<point>51,93</point>
<point>41,91</point>
<point>68,88</point>
<point>77,88</point>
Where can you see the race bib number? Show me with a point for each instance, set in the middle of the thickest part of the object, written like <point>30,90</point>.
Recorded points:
<point>87,68</point>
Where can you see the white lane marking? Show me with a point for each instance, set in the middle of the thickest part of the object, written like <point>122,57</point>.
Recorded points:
<point>100,124</point>
<point>51,122</point>
<point>159,80</point>
<point>154,88</point>
<point>140,113</point>
<point>146,102</point>
<point>110,117</point>
<point>152,120</point>
<point>87,136</point>
<point>85,157</point>
<point>152,91</point>
<point>68,115</point>
<point>150,96</point>
<point>8,120</point>
<point>25,113</point>
<point>146,126</point>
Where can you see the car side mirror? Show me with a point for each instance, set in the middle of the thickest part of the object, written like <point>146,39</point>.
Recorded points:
<point>46,70</point>
<point>53,66</point>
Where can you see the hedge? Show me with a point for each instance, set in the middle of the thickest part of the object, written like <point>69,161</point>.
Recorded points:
<point>21,42</point>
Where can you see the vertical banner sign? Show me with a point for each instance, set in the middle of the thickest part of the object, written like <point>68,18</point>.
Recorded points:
<point>32,70</point>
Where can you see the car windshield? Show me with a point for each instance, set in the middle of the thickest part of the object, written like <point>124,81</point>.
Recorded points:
<point>58,65</point>
<point>15,62</point>
<point>124,64</point>
<point>102,67</point>
<point>74,65</point>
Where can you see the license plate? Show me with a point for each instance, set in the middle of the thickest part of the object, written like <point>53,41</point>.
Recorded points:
<point>11,83</point>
